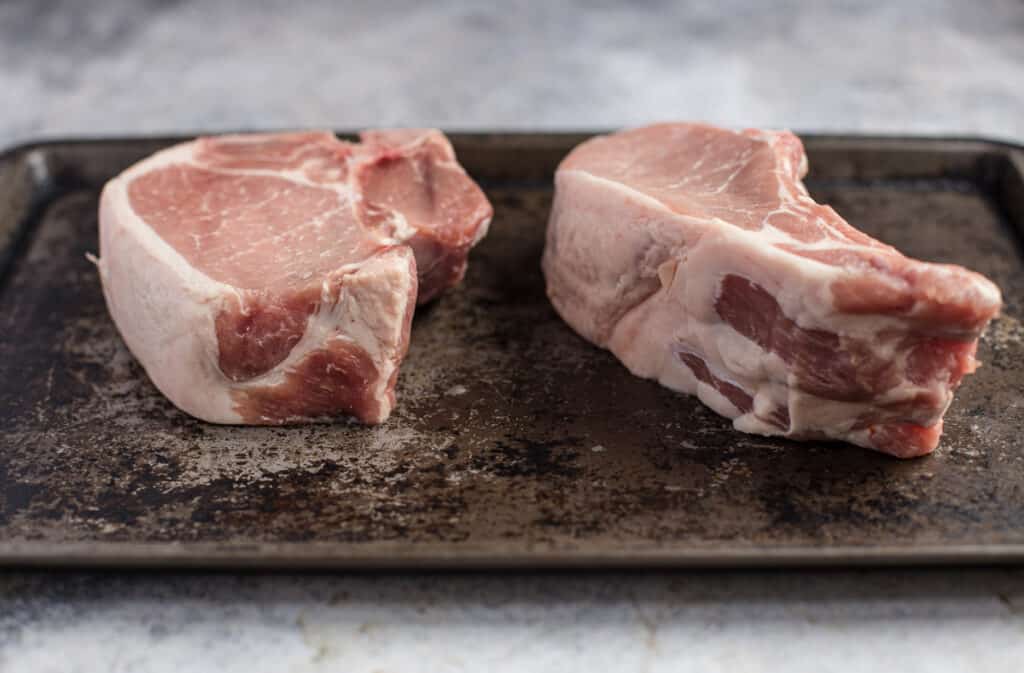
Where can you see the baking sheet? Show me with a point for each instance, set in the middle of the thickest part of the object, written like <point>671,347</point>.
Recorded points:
<point>515,443</point>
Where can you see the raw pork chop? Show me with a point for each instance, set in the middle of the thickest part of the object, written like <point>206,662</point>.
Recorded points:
<point>697,257</point>
<point>270,279</point>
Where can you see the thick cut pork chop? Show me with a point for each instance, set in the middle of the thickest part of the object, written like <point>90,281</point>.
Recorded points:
<point>272,278</point>
<point>697,257</point>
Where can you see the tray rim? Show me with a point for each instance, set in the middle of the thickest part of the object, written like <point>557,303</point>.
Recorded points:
<point>18,147</point>
<point>432,556</point>
<point>394,555</point>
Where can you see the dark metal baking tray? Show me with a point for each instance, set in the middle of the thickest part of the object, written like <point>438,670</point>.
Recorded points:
<point>515,443</point>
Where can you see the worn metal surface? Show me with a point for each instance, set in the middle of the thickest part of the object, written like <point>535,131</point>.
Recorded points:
<point>514,441</point>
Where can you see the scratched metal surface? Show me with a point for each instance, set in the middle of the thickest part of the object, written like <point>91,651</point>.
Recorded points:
<point>514,441</point>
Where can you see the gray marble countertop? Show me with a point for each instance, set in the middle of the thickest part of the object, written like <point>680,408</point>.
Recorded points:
<point>121,67</point>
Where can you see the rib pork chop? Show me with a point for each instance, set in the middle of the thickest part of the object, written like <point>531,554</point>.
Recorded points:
<point>697,257</point>
<point>270,279</point>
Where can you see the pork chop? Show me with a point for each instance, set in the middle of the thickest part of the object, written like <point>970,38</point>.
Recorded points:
<point>696,255</point>
<point>271,278</point>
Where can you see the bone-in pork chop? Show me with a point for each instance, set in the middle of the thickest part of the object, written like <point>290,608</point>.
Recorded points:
<point>272,278</point>
<point>697,257</point>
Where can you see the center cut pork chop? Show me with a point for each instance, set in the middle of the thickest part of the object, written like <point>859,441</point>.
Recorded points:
<point>697,257</point>
<point>271,278</point>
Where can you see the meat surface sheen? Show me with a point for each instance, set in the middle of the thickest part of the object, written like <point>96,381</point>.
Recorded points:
<point>696,255</point>
<point>272,278</point>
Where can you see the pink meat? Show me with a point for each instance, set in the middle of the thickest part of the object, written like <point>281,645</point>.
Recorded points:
<point>696,255</point>
<point>272,278</point>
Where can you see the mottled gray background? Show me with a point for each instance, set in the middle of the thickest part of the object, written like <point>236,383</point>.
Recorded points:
<point>117,66</point>
<point>109,68</point>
